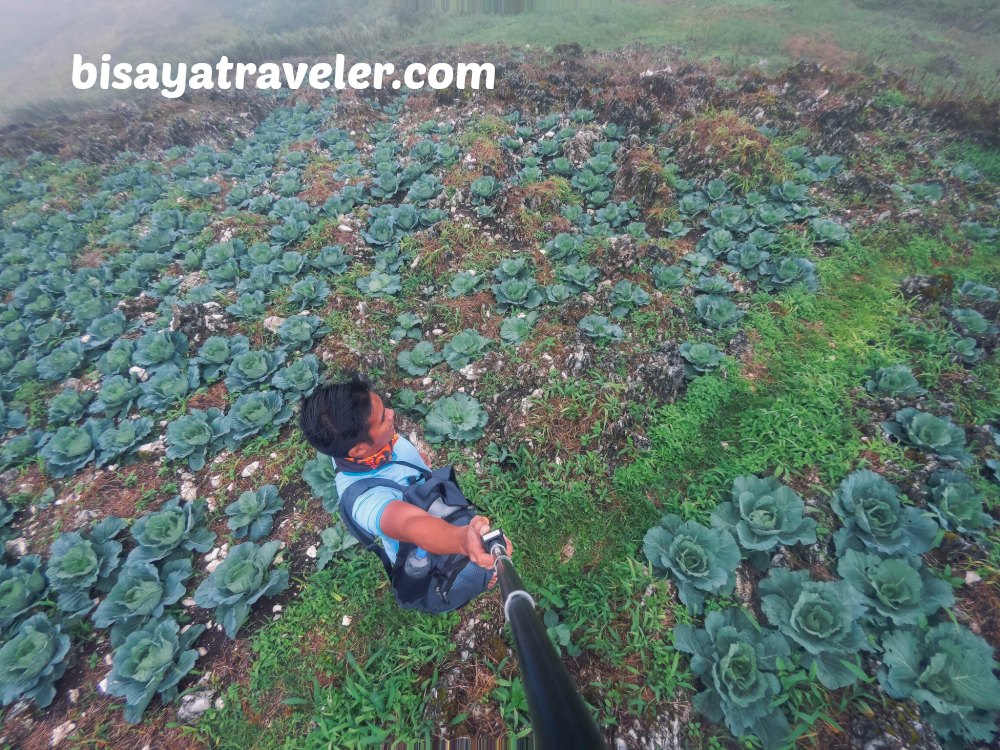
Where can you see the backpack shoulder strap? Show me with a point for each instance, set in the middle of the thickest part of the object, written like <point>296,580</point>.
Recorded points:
<point>346,508</point>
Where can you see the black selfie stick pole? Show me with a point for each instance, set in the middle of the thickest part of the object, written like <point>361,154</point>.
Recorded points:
<point>559,717</point>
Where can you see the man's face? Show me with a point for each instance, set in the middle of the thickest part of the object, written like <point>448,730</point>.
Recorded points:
<point>381,428</point>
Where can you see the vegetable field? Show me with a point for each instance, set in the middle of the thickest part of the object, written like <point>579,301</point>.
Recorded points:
<point>716,350</point>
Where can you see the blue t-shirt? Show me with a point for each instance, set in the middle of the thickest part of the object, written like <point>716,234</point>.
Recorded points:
<point>370,505</point>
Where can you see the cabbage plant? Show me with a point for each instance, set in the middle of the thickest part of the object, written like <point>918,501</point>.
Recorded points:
<point>298,379</point>
<point>930,434</point>
<point>68,406</point>
<point>876,520</point>
<point>407,327</point>
<point>458,417</point>
<point>763,514</point>
<point>667,277</point>
<point>320,474</point>
<point>72,448</point>
<point>420,359</point>
<point>216,352</point>
<point>379,284</point>
<point>240,580</point>
<point>464,347</point>
<point>516,330</point>
<point>948,671</point>
<point>167,385</point>
<point>160,347</point>
<point>737,662</point>
<point>64,360</point>
<point>141,593</point>
<point>253,513</point>
<point>174,528</point>
<point>311,291</point>
<point>335,539</point>
<point>193,435</point>
<point>894,381</point>
<point>151,661</point>
<point>700,560</point>
<point>117,396</point>
<point>123,441</point>
<point>299,331</point>
<point>957,503</point>
<point>599,328</point>
<point>700,358</point>
<point>820,616</point>
<point>32,660</point>
<point>259,413</point>
<point>899,589</point>
<point>825,230</point>
<point>22,586</point>
<point>465,282</point>
<point>626,295</point>
<point>79,562</point>
<point>776,275</point>
<point>717,311</point>
<point>253,368</point>
<point>517,294</point>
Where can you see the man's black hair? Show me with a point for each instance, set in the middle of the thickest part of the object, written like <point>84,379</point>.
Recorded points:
<point>334,418</point>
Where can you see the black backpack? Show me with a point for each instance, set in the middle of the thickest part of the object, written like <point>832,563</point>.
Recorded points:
<point>438,493</point>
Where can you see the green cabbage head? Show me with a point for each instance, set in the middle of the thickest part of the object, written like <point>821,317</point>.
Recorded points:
<point>700,560</point>
<point>899,589</point>
<point>152,660</point>
<point>242,578</point>
<point>876,520</point>
<point>763,514</point>
<point>957,504</point>
<point>822,617</point>
<point>948,672</point>
<point>930,434</point>
<point>32,660</point>
<point>736,661</point>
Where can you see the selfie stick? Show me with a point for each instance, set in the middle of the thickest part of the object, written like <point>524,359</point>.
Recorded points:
<point>559,717</point>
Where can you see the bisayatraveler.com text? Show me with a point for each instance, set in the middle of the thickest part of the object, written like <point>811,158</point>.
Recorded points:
<point>174,79</point>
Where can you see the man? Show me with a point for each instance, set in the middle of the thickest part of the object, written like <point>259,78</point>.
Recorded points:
<point>352,424</point>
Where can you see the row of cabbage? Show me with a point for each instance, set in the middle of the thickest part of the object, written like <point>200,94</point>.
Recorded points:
<point>887,602</point>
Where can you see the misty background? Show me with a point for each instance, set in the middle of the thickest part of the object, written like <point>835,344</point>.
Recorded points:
<point>948,47</point>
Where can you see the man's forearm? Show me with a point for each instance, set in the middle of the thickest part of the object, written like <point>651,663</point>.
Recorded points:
<point>434,535</point>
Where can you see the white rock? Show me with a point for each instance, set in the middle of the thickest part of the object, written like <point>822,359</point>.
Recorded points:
<point>74,695</point>
<point>346,621</point>
<point>139,372</point>
<point>17,547</point>
<point>61,732</point>
<point>311,552</point>
<point>188,491</point>
<point>273,323</point>
<point>189,602</point>
<point>212,555</point>
<point>277,608</point>
<point>250,469</point>
<point>102,686</point>
<point>219,704</point>
<point>278,559</point>
<point>274,455</point>
<point>216,482</point>
<point>971,578</point>
<point>344,228</point>
<point>108,660</point>
<point>193,705</point>
<point>213,565</point>
<point>202,651</point>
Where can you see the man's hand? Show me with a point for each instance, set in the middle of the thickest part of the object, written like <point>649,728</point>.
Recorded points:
<point>473,542</point>
<point>408,523</point>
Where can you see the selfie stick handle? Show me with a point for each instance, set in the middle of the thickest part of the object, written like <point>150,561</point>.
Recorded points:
<point>559,717</point>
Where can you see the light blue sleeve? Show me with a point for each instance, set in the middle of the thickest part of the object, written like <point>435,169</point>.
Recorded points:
<point>369,507</point>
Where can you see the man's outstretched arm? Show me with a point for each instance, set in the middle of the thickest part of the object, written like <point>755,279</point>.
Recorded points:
<point>407,523</point>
